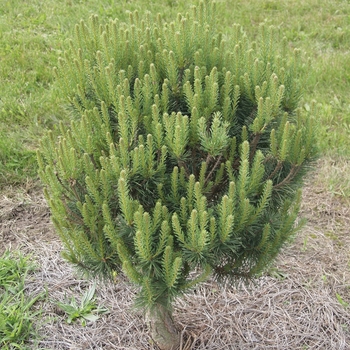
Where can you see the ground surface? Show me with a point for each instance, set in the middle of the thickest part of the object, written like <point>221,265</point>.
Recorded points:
<point>301,303</point>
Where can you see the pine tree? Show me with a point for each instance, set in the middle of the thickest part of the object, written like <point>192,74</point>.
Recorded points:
<point>183,159</point>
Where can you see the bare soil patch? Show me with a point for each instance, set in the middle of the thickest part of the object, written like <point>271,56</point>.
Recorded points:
<point>293,306</point>
<point>24,218</point>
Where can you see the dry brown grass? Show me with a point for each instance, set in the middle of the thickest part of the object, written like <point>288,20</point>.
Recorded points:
<point>294,306</point>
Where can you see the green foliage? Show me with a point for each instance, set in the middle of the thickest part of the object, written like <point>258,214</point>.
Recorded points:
<point>16,312</point>
<point>87,310</point>
<point>185,152</point>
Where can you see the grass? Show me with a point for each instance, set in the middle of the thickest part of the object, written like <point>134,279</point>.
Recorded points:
<point>33,34</point>
<point>17,159</point>
<point>16,308</point>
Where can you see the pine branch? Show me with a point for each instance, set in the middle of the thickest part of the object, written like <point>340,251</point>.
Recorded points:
<point>217,163</point>
<point>276,170</point>
<point>293,171</point>
<point>253,146</point>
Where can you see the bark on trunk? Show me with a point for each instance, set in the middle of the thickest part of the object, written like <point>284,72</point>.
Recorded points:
<point>162,328</point>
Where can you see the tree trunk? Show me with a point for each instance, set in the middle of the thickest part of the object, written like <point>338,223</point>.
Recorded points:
<point>162,328</point>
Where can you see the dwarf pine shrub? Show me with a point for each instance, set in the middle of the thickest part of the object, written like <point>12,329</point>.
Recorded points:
<point>185,152</point>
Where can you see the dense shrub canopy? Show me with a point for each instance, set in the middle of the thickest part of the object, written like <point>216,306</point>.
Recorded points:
<point>185,152</point>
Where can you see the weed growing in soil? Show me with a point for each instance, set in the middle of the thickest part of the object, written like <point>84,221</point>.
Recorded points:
<point>87,310</point>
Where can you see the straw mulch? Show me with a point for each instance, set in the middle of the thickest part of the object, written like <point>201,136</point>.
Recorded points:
<point>300,303</point>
